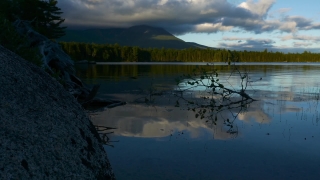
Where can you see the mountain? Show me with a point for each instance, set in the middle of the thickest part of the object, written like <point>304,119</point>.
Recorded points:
<point>142,36</point>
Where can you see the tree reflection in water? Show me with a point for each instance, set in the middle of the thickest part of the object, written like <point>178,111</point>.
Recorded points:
<point>203,93</point>
<point>214,97</point>
<point>273,134</point>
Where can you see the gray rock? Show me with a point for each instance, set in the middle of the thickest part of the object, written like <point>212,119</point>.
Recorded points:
<point>44,131</point>
<point>54,59</point>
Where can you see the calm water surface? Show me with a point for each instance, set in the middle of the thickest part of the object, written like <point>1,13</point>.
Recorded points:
<point>277,137</point>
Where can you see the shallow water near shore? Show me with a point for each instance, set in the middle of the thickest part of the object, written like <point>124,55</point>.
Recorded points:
<point>277,137</point>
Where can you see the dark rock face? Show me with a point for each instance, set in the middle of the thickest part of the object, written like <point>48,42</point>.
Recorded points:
<point>44,131</point>
<point>55,60</point>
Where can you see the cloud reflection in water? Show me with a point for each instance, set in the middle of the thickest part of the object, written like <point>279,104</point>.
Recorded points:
<point>277,136</point>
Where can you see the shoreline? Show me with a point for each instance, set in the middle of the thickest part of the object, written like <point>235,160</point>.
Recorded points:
<point>45,133</point>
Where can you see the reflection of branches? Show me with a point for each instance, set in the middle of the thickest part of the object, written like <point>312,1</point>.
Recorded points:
<point>149,96</point>
<point>213,97</point>
<point>103,132</point>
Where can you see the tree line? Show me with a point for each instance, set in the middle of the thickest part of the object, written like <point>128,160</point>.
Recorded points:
<point>116,53</point>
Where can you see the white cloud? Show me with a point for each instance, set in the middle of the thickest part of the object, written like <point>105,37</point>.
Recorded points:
<point>300,37</point>
<point>288,26</point>
<point>209,28</point>
<point>260,8</point>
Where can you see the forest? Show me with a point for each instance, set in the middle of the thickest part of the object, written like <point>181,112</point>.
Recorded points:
<point>116,53</point>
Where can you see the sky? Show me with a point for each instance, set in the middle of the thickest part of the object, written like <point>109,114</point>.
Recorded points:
<point>253,25</point>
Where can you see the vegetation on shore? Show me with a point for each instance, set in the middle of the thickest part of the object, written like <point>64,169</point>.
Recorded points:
<point>12,40</point>
<point>44,17</point>
<point>116,53</point>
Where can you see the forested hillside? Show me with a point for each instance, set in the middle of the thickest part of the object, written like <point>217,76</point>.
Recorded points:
<point>117,53</point>
<point>142,36</point>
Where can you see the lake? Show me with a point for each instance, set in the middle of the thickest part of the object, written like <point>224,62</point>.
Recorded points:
<point>275,137</point>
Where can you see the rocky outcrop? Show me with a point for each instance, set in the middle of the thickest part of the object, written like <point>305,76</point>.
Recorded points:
<point>44,132</point>
<point>57,62</point>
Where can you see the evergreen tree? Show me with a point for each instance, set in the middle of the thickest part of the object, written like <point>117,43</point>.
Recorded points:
<point>44,15</point>
<point>53,20</point>
<point>11,40</point>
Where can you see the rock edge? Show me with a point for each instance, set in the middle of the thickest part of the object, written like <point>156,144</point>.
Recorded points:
<point>44,131</point>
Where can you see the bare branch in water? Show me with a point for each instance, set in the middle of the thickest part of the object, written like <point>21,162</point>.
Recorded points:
<point>214,97</point>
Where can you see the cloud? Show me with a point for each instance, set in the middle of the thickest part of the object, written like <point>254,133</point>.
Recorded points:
<point>283,10</point>
<point>300,38</point>
<point>300,21</point>
<point>304,42</point>
<point>179,16</point>
<point>247,43</point>
<point>209,28</point>
<point>259,8</point>
<point>301,44</point>
<point>251,44</point>
<point>182,16</point>
<point>279,12</point>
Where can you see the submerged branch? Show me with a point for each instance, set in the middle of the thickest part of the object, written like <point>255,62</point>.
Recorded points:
<point>215,98</point>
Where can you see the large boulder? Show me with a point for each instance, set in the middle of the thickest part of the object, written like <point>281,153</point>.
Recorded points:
<point>57,62</point>
<point>44,131</point>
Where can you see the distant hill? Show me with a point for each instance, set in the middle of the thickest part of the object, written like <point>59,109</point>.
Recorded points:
<point>142,36</point>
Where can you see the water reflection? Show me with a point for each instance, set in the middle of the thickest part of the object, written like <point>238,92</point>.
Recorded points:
<point>161,118</point>
<point>276,137</point>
